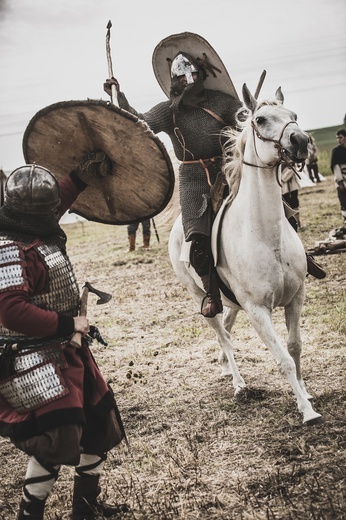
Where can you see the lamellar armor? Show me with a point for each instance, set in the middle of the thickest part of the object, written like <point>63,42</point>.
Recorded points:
<point>61,295</point>
<point>35,376</point>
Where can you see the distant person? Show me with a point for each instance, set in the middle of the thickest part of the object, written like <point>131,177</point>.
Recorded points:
<point>338,166</point>
<point>312,160</point>
<point>290,187</point>
<point>132,230</point>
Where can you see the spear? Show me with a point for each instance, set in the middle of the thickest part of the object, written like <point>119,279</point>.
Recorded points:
<point>260,83</point>
<point>114,96</point>
<point>156,233</point>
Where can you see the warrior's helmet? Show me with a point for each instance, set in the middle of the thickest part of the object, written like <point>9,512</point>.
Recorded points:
<point>183,65</point>
<point>32,189</point>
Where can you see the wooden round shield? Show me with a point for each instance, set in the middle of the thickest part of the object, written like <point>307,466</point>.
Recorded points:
<point>199,49</point>
<point>142,179</point>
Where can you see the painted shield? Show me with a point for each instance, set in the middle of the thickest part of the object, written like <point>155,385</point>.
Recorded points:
<point>197,47</point>
<point>141,182</point>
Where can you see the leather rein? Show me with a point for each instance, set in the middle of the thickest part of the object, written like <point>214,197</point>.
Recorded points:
<point>279,148</point>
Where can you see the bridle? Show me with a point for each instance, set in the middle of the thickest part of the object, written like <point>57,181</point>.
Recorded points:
<point>280,149</point>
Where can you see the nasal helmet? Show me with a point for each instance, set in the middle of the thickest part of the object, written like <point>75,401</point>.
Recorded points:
<point>183,65</point>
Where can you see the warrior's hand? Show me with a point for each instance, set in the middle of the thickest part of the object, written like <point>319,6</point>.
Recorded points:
<point>81,324</point>
<point>107,86</point>
<point>93,166</point>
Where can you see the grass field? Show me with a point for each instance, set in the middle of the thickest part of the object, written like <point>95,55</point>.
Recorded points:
<point>196,452</point>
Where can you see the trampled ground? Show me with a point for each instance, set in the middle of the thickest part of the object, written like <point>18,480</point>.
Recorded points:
<point>195,451</point>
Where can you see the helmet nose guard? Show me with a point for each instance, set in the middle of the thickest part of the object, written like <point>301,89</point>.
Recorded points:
<point>32,189</point>
<point>182,66</point>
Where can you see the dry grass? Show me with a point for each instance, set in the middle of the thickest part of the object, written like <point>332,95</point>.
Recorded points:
<point>195,451</point>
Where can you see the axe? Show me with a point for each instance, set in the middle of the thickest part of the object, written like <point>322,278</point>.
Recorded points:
<point>76,340</point>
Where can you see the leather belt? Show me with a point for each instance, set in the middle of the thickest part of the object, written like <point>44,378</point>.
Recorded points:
<point>204,166</point>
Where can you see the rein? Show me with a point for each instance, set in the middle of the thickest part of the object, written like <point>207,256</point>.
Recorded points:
<point>280,149</point>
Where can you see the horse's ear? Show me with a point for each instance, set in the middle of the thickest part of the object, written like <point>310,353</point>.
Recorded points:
<point>279,95</point>
<point>249,100</point>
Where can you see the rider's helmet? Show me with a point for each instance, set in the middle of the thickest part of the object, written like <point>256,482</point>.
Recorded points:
<point>183,65</point>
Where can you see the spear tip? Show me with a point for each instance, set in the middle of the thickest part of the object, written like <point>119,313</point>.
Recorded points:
<point>109,24</point>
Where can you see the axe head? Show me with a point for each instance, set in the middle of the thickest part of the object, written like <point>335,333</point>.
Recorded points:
<point>103,296</point>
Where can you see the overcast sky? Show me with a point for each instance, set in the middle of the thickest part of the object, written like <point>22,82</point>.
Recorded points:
<point>54,50</point>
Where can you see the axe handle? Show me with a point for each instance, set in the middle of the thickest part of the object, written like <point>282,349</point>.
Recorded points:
<point>76,340</point>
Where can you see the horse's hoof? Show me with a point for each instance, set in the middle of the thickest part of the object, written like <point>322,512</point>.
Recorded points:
<point>316,419</point>
<point>240,391</point>
<point>227,372</point>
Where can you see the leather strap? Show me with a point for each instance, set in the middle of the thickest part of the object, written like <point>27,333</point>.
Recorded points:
<point>202,163</point>
<point>215,116</point>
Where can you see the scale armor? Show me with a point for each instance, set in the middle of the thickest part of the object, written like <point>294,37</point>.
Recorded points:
<point>62,294</point>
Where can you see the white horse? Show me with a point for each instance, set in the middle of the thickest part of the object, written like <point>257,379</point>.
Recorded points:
<point>256,251</point>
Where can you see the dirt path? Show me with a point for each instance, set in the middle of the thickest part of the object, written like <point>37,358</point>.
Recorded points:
<point>195,451</point>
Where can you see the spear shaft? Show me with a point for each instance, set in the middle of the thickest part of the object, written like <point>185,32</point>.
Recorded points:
<point>114,96</point>
<point>260,83</point>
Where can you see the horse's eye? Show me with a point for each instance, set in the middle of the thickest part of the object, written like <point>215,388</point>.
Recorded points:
<point>260,120</point>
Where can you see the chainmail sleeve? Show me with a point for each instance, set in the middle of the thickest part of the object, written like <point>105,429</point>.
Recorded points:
<point>159,118</point>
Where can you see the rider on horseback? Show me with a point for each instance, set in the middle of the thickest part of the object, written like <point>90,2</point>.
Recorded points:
<point>193,117</point>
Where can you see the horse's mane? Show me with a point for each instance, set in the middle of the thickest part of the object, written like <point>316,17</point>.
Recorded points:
<point>234,150</point>
<point>234,146</point>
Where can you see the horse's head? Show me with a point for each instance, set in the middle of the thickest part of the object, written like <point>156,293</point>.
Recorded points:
<point>274,124</point>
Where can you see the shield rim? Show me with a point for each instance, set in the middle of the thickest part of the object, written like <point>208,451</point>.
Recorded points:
<point>195,45</point>
<point>124,113</point>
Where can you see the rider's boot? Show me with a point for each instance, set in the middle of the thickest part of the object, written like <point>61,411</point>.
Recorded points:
<point>214,305</point>
<point>314,268</point>
<point>202,261</point>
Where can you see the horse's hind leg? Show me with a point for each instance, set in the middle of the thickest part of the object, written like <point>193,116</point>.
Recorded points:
<point>261,320</point>
<point>294,342</point>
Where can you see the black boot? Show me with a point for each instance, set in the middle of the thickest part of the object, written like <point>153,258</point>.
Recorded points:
<point>201,260</point>
<point>32,510</point>
<point>214,305</point>
<point>314,268</point>
<point>84,504</point>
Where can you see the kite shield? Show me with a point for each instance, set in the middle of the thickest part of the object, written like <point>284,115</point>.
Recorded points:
<point>141,182</point>
<point>199,49</point>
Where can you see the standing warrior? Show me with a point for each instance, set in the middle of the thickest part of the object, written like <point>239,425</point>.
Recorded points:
<point>54,402</point>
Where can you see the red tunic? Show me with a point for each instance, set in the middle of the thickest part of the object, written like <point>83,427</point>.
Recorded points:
<point>18,314</point>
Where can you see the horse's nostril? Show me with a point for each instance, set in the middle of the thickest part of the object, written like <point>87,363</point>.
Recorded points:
<point>299,140</point>
<point>293,138</point>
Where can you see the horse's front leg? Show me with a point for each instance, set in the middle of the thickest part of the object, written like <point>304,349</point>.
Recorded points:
<point>294,342</point>
<point>261,319</point>
<point>226,357</point>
